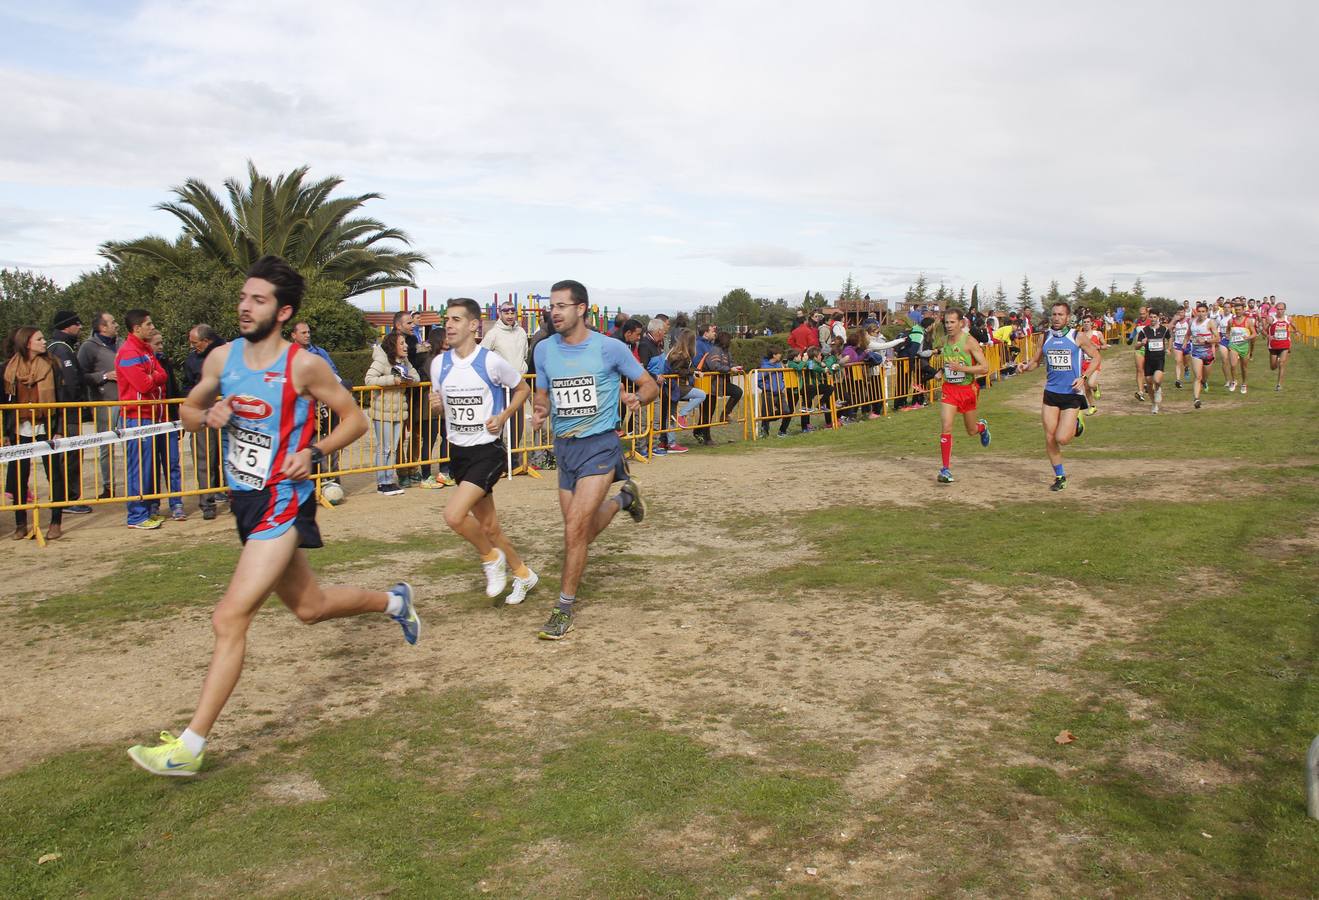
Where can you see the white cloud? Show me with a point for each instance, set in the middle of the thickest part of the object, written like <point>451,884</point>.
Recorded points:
<point>1164,138</point>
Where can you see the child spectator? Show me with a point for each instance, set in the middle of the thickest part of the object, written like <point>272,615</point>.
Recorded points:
<point>773,394</point>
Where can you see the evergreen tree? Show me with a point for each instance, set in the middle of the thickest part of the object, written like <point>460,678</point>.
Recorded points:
<point>851,290</point>
<point>1112,288</point>
<point>1053,296</point>
<point>1025,299</point>
<point>943,296</point>
<point>919,293</point>
<point>1079,287</point>
<point>1000,298</point>
<point>961,296</point>
<point>1138,289</point>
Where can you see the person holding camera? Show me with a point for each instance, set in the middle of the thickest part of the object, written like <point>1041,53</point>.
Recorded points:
<point>388,409</point>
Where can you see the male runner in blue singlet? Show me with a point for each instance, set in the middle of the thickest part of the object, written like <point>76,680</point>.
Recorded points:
<point>1064,387</point>
<point>270,390</point>
<point>578,388</point>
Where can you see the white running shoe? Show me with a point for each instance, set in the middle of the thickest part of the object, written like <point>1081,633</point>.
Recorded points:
<point>521,587</point>
<point>496,574</point>
<point>1243,390</point>
<point>1231,387</point>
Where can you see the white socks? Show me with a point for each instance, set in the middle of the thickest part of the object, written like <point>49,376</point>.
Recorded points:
<point>193,741</point>
<point>395,605</point>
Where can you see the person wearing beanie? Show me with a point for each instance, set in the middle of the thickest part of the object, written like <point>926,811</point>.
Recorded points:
<point>62,348</point>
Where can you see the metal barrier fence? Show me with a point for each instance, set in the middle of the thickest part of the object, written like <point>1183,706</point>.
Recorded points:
<point>104,453</point>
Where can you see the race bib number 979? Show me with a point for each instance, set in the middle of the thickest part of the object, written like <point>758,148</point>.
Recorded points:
<point>575,396</point>
<point>463,412</point>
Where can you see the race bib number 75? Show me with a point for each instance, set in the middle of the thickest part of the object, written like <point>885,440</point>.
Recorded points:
<point>250,453</point>
<point>575,396</point>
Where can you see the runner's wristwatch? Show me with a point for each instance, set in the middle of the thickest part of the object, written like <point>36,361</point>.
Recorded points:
<point>317,456</point>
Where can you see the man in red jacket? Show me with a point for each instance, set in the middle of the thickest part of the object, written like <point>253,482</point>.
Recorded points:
<point>141,377</point>
<point>804,336</point>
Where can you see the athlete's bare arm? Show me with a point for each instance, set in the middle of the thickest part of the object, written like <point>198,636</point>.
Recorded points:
<point>540,409</point>
<point>977,352</point>
<point>495,424</point>
<point>1034,361</point>
<point>312,377</point>
<point>647,391</point>
<point>1089,349</point>
<point>199,410</point>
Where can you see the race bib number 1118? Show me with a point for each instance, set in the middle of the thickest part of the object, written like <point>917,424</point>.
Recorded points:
<point>575,396</point>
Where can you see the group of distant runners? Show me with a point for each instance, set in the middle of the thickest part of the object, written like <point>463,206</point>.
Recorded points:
<point>261,393</point>
<point>1194,337</point>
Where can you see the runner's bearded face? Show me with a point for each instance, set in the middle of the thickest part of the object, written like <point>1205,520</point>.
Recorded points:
<point>1058,318</point>
<point>258,310</point>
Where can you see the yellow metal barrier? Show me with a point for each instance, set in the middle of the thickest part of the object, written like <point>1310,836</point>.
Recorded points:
<point>94,467</point>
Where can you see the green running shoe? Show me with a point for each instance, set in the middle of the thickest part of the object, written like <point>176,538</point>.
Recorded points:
<point>637,508</point>
<point>558,626</point>
<point>169,757</point>
<point>1059,483</point>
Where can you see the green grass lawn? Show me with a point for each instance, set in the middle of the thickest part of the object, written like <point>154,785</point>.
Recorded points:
<point>1184,778</point>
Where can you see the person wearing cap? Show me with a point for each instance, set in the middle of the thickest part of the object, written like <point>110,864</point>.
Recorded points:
<point>508,340</point>
<point>96,357</point>
<point>63,340</point>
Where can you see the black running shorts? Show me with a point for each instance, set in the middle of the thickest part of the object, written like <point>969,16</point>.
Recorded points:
<point>1065,401</point>
<point>482,465</point>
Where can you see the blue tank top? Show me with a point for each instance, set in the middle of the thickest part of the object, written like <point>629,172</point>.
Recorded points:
<point>1062,357</point>
<point>583,382</point>
<point>270,422</point>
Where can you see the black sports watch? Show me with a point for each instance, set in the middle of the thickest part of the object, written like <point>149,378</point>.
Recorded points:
<point>317,456</point>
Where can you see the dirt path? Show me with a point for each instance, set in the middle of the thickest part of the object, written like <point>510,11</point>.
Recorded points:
<point>897,680</point>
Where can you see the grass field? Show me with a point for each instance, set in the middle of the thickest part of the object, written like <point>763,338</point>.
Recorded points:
<point>813,672</point>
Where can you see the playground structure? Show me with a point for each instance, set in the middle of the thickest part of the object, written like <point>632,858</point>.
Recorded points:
<point>530,310</point>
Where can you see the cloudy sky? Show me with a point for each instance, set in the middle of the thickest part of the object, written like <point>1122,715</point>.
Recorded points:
<point>666,152</point>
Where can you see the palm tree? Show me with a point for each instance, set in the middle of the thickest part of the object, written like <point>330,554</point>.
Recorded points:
<point>300,222</point>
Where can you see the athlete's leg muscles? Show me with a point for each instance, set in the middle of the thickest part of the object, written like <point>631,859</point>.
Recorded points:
<point>1282,364</point>
<point>1241,363</point>
<point>586,512</point>
<point>484,513</point>
<point>1066,429</point>
<point>1049,417</point>
<point>457,515</point>
<point>298,589</point>
<point>947,415</point>
<point>972,422</point>
<point>259,566</point>
<point>1197,369</point>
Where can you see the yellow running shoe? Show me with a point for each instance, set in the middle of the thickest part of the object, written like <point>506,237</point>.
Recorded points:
<point>169,757</point>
